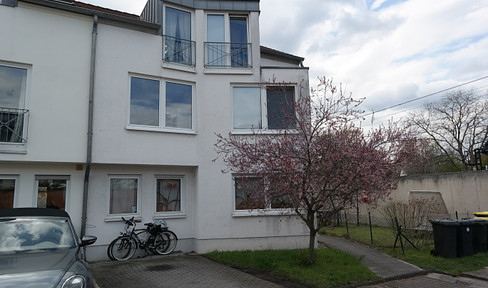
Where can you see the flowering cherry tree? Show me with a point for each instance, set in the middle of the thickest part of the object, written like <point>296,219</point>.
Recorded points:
<point>322,164</point>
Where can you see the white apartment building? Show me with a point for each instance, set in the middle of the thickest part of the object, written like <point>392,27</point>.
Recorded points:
<point>134,106</point>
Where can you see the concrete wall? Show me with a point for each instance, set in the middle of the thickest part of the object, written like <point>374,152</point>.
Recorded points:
<point>464,193</point>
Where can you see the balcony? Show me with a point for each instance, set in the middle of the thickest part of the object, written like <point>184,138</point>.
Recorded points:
<point>12,125</point>
<point>177,50</point>
<point>221,54</point>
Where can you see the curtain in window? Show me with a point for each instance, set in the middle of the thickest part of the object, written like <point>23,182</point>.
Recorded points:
<point>178,36</point>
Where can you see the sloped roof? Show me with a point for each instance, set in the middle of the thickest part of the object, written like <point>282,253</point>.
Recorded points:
<point>280,54</point>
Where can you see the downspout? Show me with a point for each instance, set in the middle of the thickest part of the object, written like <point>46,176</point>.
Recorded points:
<point>90,125</point>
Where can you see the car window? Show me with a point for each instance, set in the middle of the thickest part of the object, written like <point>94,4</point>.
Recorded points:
<point>19,234</point>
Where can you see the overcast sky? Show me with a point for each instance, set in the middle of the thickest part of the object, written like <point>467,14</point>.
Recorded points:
<point>389,51</point>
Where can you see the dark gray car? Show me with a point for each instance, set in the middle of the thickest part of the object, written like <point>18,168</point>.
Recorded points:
<point>39,248</point>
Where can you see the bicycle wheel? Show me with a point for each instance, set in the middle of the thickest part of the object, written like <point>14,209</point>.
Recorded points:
<point>165,242</point>
<point>122,248</point>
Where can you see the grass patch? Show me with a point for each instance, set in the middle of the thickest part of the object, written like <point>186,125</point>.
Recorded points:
<point>332,268</point>
<point>384,239</point>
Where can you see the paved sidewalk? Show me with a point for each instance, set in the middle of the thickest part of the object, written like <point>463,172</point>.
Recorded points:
<point>179,270</point>
<point>379,263</point>
<point>400,274</point>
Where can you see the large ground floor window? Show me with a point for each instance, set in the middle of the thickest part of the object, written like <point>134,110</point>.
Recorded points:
<point>123,195</point>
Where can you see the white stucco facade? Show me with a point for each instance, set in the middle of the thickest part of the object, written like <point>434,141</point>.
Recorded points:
<point>206,219</point>
<point>53,48</point>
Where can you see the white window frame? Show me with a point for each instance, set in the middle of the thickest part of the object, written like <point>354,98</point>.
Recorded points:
<point>227,36</point>
<point>170,214</point>
<point>176,65</point>
<point>162,107</point>
<point>267,211</point>
<point>264,110</point>
<point>12,147</point>
<point>67,178</point>
<point>16,179</point>
<point>117,216</point>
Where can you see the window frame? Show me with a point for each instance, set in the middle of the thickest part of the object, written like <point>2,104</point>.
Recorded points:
<point>15,178</point>
<point>138,196</point>
<point>162,107</point>
<point>19,147</point>
<point>227,40</point>
<point>170,214</point>
<point>190,67</point>
<point>268,207</point>
<point>66,178</point>
<point>263,107</point>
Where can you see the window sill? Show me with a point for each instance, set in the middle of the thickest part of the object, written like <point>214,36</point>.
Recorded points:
<point>14,148</point>
<point>262,131</point>
<point>169,215</point>
<point>118,217</point>
<point>179,67</point>
<point>261,213</point>
<point>162,130</point>
<point>229,70</point>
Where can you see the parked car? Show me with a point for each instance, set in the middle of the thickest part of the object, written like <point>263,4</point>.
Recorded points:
<point>40,248</point>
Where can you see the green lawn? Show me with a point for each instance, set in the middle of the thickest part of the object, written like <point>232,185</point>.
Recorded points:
<point>384,239</point>
<point>332,268</point>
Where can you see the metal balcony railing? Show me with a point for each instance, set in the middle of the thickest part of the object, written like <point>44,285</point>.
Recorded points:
<point>177,50</point>
<point>221,54</point>
<point>12,125</point>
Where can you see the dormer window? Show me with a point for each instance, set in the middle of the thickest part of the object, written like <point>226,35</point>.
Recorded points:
<point>227,41</point>
<point>178,47</point>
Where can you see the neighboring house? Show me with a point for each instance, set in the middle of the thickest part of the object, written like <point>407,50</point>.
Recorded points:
<point>164,85</point>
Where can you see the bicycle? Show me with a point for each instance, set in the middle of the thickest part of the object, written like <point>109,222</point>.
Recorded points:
<point>156,237</point>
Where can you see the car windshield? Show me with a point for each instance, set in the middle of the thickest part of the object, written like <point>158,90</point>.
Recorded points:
<point>24,235</point>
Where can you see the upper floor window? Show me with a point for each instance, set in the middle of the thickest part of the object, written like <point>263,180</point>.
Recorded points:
<point>257,108</point>
<point>227,41</point>
<point>178,47</point>
<point>13,116</point>
<point>149,98</point>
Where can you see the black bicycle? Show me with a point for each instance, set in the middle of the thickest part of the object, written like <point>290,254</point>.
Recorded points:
<point>156,238</point>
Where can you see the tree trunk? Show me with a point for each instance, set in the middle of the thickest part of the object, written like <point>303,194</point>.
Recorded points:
<point>311,247</point>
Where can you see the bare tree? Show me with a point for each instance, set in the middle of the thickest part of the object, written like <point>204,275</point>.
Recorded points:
<point>323,164</point>
<point>457,124</point>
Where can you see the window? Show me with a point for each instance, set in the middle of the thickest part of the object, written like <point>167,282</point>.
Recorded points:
<point>7,192</point>
<point>169,194</point>
<point>148,95</point>
<point>250,194</point>
<point>256,108</point>
<point>12,103</point>
<point>123,195</point>
<point>280,103</point>
<point>227,41</point>
<point>178,46</point>
<point>51,191</point>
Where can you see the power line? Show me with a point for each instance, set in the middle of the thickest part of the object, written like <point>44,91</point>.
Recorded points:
<point>425,96</point>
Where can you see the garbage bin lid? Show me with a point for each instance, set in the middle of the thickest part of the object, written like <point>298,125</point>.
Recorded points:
<point>445,222</point>
<point>481,214</point>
